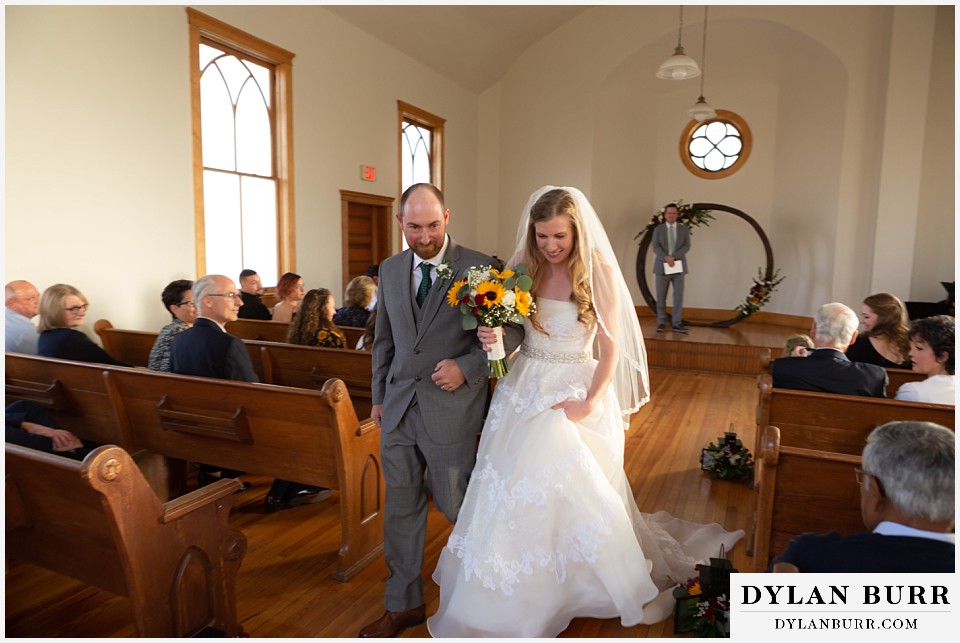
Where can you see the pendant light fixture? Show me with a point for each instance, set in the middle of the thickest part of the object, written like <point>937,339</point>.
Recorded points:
<point>701,110</point>
<point>679,66</point>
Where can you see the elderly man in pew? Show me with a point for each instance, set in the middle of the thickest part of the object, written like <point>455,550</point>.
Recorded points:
<point>208,350</point>
<point>907,503</point>
<point>826,369</point>
<point>23,304</point>
<point>29,425</point>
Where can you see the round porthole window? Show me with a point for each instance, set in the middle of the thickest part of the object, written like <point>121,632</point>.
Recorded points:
<point>716,147</point>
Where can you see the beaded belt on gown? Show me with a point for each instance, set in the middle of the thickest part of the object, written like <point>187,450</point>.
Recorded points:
<point>551,356</point>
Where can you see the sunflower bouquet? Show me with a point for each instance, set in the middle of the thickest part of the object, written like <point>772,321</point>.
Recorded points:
<point>491,297</point>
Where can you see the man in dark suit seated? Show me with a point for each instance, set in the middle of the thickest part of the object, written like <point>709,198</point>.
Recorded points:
<point>208,350</point>
<point>827,369</point>
<point>250,290</point>
<point>907,502</point>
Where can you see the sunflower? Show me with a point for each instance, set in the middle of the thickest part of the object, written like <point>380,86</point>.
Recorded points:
<point>504,274</point>
<point>492,292</point>
<point>523,302</point>
<point>452,298</point>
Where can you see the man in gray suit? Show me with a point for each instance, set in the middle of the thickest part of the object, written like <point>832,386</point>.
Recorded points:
<point>429,395</point>
<point>671,241</point>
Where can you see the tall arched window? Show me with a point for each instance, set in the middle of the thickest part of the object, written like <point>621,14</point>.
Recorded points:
<point>421,146</point>
<point>241,92</point>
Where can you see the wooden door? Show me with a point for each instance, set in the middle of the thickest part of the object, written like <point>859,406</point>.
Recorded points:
<point>367,224</point>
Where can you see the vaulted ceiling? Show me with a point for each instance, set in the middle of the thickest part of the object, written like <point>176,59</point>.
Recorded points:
<point>473,45</point>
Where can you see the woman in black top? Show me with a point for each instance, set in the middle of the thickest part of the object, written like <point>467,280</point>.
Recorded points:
<point>884,337</point>
<point>359,295</point>
<point>62,310</point>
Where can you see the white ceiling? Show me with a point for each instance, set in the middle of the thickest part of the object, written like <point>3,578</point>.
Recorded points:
<point>469,44</point>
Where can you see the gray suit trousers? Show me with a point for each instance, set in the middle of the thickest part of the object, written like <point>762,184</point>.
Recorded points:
<point>405,454</point>
<point>662,282</point>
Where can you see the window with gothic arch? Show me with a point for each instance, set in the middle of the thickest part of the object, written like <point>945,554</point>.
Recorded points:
<point>241,95</point>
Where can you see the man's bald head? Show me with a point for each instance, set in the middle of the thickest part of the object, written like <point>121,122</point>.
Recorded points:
<point>23,297</point>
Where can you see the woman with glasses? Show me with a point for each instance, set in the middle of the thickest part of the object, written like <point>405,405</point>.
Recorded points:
<point>289,293</point>
<point>62,310</point>
<point>177,298</point>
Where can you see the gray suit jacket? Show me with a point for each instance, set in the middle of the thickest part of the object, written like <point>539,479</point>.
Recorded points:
<point>661,246</point>
<point>409,343</point>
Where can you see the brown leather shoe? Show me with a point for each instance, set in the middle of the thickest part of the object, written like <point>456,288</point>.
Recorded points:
<point>392,623</point>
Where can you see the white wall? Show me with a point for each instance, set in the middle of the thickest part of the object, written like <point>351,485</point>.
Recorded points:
<point>830,128</point>
<point>98,153</point>
<point>99,158</point>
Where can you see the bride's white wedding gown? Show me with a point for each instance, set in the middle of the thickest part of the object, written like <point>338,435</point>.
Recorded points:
<point>549,529</point>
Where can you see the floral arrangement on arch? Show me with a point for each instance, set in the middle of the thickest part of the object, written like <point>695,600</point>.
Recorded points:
<point>760,292</point>
<point>491,297</point>
<point>707,617</point>
<point>687,215</point>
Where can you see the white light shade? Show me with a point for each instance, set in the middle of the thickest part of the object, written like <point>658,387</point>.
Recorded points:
<point>701,110</point>
<point>679,66</point>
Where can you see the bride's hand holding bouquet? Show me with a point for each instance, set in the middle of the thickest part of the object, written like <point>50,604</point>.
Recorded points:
<point>489,298</point>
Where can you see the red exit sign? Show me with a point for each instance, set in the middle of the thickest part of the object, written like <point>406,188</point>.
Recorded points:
<point>368,173</point>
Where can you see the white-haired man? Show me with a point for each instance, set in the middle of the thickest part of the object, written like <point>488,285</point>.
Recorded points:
<point>23,302</point>
<point>827,369</point>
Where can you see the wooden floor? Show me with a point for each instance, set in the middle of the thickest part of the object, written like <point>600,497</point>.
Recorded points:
<point>285,588</point>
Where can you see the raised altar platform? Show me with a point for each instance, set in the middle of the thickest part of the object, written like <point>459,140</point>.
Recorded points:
<point>734,350</point>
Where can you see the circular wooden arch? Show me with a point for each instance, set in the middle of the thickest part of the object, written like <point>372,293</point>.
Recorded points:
<point>645,247</point>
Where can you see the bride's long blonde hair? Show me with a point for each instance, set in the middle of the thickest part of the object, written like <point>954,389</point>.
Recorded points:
<point>553,204</point>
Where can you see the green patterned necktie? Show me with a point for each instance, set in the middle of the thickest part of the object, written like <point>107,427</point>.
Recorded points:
<point>673,238</point>
<point>424,283</point>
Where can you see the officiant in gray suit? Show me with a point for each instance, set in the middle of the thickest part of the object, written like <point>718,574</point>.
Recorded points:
<point>671,241</point>
<point>429,395</point>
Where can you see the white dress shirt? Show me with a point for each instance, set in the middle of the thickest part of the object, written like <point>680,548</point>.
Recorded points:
<point>937,389</point>
<point>417,274</point>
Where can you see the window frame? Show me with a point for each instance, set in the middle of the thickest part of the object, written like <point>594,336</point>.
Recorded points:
<point>723,116</point>
<point>423,118</point>
<point>244,44</point>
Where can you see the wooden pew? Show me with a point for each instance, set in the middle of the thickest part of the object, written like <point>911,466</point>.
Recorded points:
<point>99,522</point>
<point>273,362</point>
<point>896,377</point>
<point>312,437</point>
<point>838,423</point>
<point>801,490</point>
<point>310,367</point>
<point>271,331</point>
<point>78,394</point>
<point>261,330</point>
<point>134,345</point>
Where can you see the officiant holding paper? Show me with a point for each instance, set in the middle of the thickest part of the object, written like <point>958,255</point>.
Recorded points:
<point>671,241</point>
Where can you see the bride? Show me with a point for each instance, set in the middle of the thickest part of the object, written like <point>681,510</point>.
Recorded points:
<point>549,529</point>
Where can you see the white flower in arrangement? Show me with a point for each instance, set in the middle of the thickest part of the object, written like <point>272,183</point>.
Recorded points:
<point>509,299</point>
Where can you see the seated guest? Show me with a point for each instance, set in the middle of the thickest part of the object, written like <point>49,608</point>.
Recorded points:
<point>907,503</point>
<point>931,352</point>
<point>250,291</point>
<point>366,341</point>
<point>313,325</point>
<point>827,369</point>
<point>29,425</point>
<point>23,299</point>
<point>798,346</point>
<point>885,328</point>
<point>177,298</point>
<point>373,271</point>
<point>289,294</point>
<point>360,292</point>
<point>62,309</point>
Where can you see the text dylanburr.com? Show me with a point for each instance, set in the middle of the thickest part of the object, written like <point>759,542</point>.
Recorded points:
<point>847,607</point>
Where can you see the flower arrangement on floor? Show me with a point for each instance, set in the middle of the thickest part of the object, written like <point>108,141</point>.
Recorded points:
<point>728,459</point>
<point>491,297</point>
<point>687,215</point>
<point>760,292</point>
<point>707,617</point>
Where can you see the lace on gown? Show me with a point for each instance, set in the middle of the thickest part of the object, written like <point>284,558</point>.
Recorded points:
<point>549,529</point>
